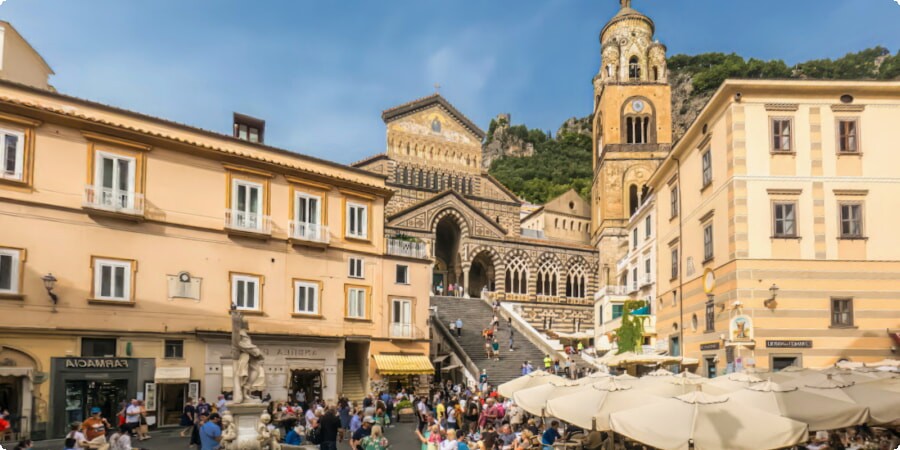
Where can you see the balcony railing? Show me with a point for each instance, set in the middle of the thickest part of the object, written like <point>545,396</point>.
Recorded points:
<point>648,280</point>
<point>613,290</point>
<point>620,264</point>
<point>409,249</point>
<point>247,222</point>
<point>311,232</point>
<point>402,330</point>
<point>113,200</point>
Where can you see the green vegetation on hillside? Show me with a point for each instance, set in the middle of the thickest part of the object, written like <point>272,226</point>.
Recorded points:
<point>565,161</point>
<point>557,165</point>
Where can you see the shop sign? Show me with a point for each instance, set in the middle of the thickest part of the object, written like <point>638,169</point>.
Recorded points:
<point>709,346</point>
<point>291,352</point>
<point>740,328</point>
<point>788,344</point>
<point>96,363</point>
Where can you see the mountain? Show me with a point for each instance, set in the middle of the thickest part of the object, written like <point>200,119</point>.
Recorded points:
<point>538,167</point>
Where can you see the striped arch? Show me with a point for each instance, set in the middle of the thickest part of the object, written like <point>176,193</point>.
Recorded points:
<point>496,259</point>
<point>460,220</point>
<point>519,270</point>
<point>577,277</point>
<point>548,270</point>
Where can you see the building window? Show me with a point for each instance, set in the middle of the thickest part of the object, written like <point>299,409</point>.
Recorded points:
<point>248,133</point>
<point>98,348</point>
<point>547,275</point>
<point>357,268</point>
<point>842,312</point>
<point>246,205</point>
<point>707,243</point>
<point>114,183</point>
<point>245,292</point>
<point>634,279</point>
<point>848,136</point>
<point>710,317</point>
<point>695,322</point>
<point>174,348</point>
<point>647,272</point>
<point>12,154</point>
<point>637,129</point>
<point>306,295</point>
<point>673,202</point>
<point>516,276</point>
<point>357,220</point>
<point>10,270</point>
<point>112,279</point>
<point>706,160</point>
<point>634,69</point>
<point>674,263</point>
<point>401,318</point>
<point>575,282</point>
<point>785,220</point>
<point>634,238</point>
<point>781,135</point>
<point>617,311</point>
<point>402,274</point>
<point>356,303</point>
<point>851,220</point>
<point>647,227</point>
<point>307,210</point>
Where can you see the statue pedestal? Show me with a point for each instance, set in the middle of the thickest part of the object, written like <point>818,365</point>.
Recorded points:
<point>246,419</point>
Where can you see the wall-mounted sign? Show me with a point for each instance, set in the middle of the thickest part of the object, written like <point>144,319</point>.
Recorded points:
<point>709,346</point>
<point>740,328</point>
<point>96,363</point>
<point>788,344</point>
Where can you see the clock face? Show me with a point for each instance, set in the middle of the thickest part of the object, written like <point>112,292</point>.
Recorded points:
<point>184,277</point>
<point>709,281</point>
<point>637,105</point>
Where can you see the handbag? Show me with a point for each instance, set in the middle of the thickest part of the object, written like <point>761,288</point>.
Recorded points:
<point>143,428</point>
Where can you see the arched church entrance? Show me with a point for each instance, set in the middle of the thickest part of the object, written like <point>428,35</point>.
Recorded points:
<point>481,274</point>
<point>447,267</point>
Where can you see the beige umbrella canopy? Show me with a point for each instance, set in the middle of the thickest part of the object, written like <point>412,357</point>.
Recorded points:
<point>536,378</point>
<point>884,362</point>
<point>534,399</point>
<point>817,411</point>
<point>710,422</point>
<point>659,373</point>
<point>627,358</point>
<point>732,382</point>
<point>883,404</point>
<point>590,407</point>
<point>673,386</point>
<point>594,377</point>
<point>626,377</point>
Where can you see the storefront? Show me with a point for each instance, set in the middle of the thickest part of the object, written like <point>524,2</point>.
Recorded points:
<point>17,371</point>
<point>290,364</point>
<point>79,384</point>
<point>411,372</point>
<point>172,387</point>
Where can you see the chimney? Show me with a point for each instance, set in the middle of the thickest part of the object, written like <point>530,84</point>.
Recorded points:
<point>248,128</point>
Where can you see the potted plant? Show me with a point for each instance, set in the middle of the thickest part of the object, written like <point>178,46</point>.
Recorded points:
<point>404,408</point>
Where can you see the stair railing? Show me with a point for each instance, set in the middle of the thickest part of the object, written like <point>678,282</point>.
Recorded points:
<point>450,338</point>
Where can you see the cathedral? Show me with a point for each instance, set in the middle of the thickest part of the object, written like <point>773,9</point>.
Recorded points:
<point>480,235</point>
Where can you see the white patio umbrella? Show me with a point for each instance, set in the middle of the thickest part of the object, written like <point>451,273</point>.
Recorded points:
<point>702,421</point>
<point>626,377</point>
<point>534,399</point>
<point>732,382</point>
<point>593,378</point>
<point>817,411</point>
<point>884,362</point>
<point>589,408</point>
<point>883,404</point>
<point>673,386</point>
<point>536,378</point>
<point>660,373</point>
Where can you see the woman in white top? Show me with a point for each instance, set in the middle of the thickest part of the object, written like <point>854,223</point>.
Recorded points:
<point>450,443</point>
<point>120,440</point>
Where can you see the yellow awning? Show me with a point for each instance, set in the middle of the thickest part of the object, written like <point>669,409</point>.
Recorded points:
<point>172,375</point>
<point>403,365</point>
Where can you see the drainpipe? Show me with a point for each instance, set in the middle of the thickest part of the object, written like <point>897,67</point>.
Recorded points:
<point>680,258</point>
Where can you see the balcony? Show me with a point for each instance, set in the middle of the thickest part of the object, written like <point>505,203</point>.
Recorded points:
<point>406,249</point>
<point>113,202</point>
<point>309,234</point>
<point>612,290</point>
<point>647,280</point>
<point>246,224</point>
<point>620,264</point>
<point>406,331</point>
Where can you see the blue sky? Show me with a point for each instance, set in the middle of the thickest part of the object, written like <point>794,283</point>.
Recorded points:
<point>321,72</point>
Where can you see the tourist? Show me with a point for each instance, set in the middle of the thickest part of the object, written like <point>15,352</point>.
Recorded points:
<point>121,439</point>
<point>195,431</point>
<point>551,434</point>
<point>459,324</point>
<point>523,441</point>
<point>132,415</point>
<point>294,435</point>
<point>506,437</point>
<point>450,443</point>
<point>440,289</point>
<point>511,339</point>
<point>489,437</point>
<point>221,406</point>
<point>329,432</point>
<point>547,363</point>
<point>211,432</point>
<point>375,441</point>
<point>95,430</point>
<point>344,413</point>
<point>142,429</point>
<point>495,348</point>
<point>188,417</point>
<point>76,436</point>
<point>363,431</point>
<point>516,415</point>
<point>452,328</point>
<point>450,289</point>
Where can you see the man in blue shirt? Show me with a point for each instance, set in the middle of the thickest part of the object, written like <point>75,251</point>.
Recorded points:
<point>211,433</point>
<point>550,436</point>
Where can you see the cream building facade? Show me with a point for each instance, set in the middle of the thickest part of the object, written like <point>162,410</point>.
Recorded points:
<point>775,227</point>
<point>152,230</point>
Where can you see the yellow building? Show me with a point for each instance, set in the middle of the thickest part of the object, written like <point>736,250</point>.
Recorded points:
<point>775,227</point>
<point>152,230</point>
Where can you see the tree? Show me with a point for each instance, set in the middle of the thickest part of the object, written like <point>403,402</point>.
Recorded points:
<point>630,334</point>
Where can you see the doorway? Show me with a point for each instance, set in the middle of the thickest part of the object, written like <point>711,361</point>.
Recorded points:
<point>11,399</point>
<point>172,398</point>
<point>481,275</point>
<point>710,366</point>
<point>308,383</point>
<point>781,362</point>
<point>446,250</point>
<point>83,395</point>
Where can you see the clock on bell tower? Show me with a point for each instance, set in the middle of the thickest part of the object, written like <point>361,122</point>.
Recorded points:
<point>632,125</point>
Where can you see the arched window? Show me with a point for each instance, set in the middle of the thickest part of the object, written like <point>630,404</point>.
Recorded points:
<point>516,276</point>
<point>645,191</point>
<point>556,223</point>
<point>634,69</point>
<point>575,282</point>
<point>548,274</point>
<point>637,129</point>
<point>405,175</point>
<point>470,187</point>
<point>609,70</point>
<point>655,73</point>
<point>633,200</point>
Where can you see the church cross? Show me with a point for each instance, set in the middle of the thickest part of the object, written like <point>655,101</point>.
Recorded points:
<point>437,88</point>
<point>625,3</point>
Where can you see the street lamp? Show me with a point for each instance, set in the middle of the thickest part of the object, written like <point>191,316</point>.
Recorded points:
<point>770,302</point>
<point>49,284</point>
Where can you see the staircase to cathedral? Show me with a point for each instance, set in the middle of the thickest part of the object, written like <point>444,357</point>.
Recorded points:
<point>476,316</point>
<point>353,382</point>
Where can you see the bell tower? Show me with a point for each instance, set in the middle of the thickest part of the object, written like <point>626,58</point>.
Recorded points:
<point>632,127</point>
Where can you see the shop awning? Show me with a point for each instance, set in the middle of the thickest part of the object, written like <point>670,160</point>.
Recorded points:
<point>172,375</point>
<point>27,372</point>
<point>228,379</point>
<point>403,365</point>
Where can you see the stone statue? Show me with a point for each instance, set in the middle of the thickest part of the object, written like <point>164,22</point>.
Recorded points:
<point>268,439</point>
<point>625,3</point>
<point>229,433</point>
<point>246,358</point>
